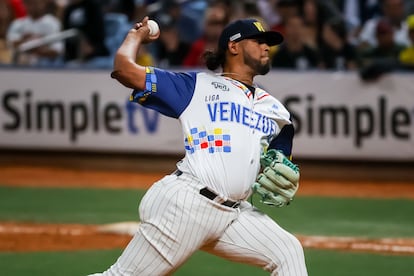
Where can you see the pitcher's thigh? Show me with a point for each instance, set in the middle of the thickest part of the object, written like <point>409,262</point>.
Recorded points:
<point>139,258</point>
<point>254,238</point>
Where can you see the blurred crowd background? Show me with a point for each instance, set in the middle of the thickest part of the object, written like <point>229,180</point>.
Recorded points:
<point>371,36</point>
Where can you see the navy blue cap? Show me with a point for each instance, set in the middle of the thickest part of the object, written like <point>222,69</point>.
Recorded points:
<point>247,28</point>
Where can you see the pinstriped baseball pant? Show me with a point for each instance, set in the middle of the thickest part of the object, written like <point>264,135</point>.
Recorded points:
<point>176,221</point>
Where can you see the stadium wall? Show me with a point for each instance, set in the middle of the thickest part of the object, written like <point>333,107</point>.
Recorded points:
<point>336,114</point>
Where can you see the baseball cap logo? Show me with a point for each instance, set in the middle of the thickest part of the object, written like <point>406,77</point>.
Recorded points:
<point>259,26</point>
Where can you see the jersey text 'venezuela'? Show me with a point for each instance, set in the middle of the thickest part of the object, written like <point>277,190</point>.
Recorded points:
<point>225,126</point>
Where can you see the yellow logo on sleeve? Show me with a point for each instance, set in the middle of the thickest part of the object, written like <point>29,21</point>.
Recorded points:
<point>259,26</point>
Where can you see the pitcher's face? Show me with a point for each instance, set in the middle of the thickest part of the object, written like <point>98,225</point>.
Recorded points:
<point>256,55</point>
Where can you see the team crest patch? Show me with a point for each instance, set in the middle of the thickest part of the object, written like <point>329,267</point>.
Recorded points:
<point>215,140</point>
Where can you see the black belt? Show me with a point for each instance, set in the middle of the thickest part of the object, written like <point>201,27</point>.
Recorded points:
<point>212,195</point>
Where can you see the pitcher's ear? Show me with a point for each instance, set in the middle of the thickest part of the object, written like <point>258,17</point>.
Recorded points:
<point>233,47</point>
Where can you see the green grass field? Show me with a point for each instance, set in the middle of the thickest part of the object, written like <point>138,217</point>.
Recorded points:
<point>307,215</point>
<point>320,263</point>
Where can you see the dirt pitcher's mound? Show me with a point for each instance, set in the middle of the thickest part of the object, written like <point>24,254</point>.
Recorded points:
<point>24,237</point>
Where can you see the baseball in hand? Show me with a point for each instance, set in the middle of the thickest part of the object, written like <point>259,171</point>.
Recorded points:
<point>153,27</point>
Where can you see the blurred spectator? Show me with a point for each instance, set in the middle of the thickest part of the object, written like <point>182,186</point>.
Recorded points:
<point>387,50</point>
<point>144,57</point>
<point>233,9</point>
<point>126,7</point>
<point>293,53</point>
<point>382,58</point>
<point>57,7</point>
<point>286,9</point>
<point>36,25</point>
<point>52,7</point>
<point>249,9</point>
<point>18,8</point>
<point>191,13</point>
<point>170,50</point>
<point>357,12</point>
<point>409,7</point>
<point>148,8</point>
<point>337,52</point>
<point>116,29</point>
<point>406,57</point>
<point>119,18</point>
<point>268,11</point>
<point>312,28</point>
<point>187,15</point>
<point>87,17</point>
<point>315,13</point>
<point>215,20</point>
<point>6,17</point>
<point>393,11</point>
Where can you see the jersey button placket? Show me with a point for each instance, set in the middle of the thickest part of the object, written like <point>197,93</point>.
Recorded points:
<point>252,113</point>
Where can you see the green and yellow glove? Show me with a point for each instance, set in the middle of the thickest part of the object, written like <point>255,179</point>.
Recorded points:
<point>279,181</point>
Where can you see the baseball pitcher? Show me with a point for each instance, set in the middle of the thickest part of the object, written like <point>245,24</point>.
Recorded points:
<point>238,141</point>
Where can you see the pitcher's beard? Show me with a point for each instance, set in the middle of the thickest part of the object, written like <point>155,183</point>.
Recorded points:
<point>257,66</point>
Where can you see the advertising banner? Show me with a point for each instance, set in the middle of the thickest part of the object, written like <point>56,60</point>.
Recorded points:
<point>336,115</point>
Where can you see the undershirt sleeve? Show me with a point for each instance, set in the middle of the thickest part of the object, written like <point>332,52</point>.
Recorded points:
<point>284,140</point>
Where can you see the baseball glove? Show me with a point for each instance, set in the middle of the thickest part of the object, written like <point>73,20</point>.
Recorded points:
<point>279,181</point>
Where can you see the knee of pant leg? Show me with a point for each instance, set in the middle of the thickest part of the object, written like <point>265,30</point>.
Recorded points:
<point>294,253</point>
<point>296,246</point>
<point>287,259</point>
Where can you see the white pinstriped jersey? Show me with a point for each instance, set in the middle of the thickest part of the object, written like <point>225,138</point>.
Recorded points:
<point>225,125</point>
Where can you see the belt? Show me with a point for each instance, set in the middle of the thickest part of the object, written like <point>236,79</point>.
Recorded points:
<point>212,195</point>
